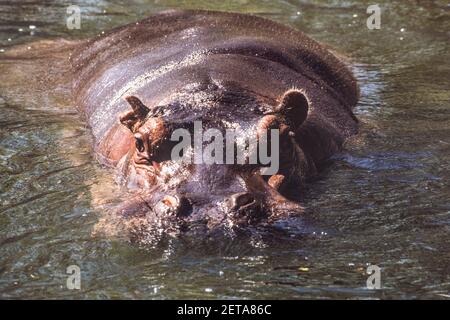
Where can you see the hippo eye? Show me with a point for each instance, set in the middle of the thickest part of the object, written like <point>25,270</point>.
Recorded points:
<point>139,143</point>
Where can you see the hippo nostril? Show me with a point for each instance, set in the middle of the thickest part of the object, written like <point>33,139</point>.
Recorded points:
<point>240,200</point>
<point>180,205</point>
<point>171,201</point>
<point>185,207</point>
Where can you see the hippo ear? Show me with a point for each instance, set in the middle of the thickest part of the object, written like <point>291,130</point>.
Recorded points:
<point>138,113</point>
<point>294,106</point>
<point>140,109</point>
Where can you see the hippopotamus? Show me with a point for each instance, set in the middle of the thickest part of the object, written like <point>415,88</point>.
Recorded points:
<point>138,83</point>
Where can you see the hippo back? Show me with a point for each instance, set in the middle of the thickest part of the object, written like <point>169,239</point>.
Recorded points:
<point>168,52</point>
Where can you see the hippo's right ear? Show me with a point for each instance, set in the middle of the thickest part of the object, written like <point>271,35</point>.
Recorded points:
<point>294,107</point>
<point>138,113</point>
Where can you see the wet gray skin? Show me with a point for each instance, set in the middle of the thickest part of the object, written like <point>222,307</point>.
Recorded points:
<point>383,200</point>
<point>138,83</point>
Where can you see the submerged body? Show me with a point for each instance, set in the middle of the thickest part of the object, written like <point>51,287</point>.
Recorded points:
<point>138,83</point>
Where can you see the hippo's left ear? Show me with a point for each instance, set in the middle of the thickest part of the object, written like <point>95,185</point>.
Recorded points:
<point>294,106</point>
<point>138,113</point>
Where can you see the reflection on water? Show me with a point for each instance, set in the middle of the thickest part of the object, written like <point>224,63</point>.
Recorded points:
<point>384,200</point>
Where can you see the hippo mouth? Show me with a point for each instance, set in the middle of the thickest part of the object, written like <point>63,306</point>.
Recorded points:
<point>191,206</point>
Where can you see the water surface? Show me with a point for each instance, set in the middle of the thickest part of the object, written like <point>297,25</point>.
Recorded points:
<point>384,200</point>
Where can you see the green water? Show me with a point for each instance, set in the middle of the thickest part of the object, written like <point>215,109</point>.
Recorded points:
<point>384,200</point>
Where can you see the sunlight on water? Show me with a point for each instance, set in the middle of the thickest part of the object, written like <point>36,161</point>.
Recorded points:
<point>384,200</point>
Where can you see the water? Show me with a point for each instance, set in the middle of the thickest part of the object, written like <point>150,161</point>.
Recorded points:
<point>384,200</point>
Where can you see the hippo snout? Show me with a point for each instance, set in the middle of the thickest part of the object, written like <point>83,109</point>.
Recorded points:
<point>242,200</point>
<point>177,205</point>
<point>245,207</point>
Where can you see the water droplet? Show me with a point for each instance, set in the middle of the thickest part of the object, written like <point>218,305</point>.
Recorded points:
<point>20,30</point>
<point>208,290</point>
<point>299,13</point>
<point>355,16</point>
<point>402,30</point>
<point>32,27</point>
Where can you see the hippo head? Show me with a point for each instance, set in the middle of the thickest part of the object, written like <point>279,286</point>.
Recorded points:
<point>236,192</point>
